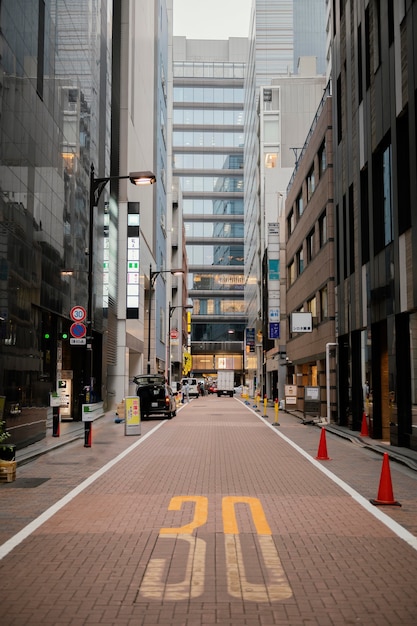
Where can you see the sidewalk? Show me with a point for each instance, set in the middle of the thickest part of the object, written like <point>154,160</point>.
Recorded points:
<point>401,455</point>
<point>71,431</point>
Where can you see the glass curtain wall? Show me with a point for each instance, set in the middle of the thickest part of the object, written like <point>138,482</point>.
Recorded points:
<point>208,147</point>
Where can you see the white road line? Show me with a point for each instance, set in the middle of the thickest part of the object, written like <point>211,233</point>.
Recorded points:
<point>14,541</point>
<point>396,528</point>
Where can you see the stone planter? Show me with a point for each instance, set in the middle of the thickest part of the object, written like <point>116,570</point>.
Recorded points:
<point>7,471</point>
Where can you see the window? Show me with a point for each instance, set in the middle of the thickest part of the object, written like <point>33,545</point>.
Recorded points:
<point>360,76</point>
<point>300,261</point>
<point>291,273</point>
<point>310,245</point>
<point>312,306</point>
<point>310,184</point>
<point>271,159</point>
<point>323,228</point>
<point>322,159</point>
<point>387,186</point>
<point>299,204</point>
<point>324,305</point>
<point>339,108</point>
<point>382,197</point>
<point>290,223</point>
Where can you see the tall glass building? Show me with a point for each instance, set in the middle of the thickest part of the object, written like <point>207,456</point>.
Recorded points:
<point>208,144</point>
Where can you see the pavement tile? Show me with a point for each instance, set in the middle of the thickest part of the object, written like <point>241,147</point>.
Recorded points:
<point>104,558</point>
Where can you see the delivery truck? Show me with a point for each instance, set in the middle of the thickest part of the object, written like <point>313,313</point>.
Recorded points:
<point>225,383</point>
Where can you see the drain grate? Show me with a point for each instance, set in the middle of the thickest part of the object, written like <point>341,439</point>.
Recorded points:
<point>26,483</point>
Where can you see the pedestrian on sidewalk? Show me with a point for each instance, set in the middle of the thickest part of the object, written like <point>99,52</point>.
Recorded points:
<point>185,392</point>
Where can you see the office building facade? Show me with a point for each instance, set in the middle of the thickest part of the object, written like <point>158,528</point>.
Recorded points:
<point>208,161</point>
<point>74,95</point>
<point>374,130</point>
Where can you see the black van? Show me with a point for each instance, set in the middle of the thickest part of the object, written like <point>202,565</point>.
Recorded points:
<point>156,397</point>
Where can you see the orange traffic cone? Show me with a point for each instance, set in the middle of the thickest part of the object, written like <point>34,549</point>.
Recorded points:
<point>364,427</point>
<point>322,451</point>
<point>385,493</point>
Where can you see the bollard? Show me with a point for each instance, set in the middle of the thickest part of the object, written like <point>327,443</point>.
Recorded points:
<point>276,409</point>
<point>88,427</point>
<point>56,426</point>
<point>265,404</point>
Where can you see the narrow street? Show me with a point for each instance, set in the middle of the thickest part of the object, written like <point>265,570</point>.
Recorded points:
<point>218,516</point>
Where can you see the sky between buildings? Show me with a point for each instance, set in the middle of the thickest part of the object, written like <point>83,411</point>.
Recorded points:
<point>211,19</point>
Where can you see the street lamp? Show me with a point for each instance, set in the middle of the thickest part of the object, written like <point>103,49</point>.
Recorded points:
<point>97,186</point>
<point>171,311</point>
<point>153,276</point>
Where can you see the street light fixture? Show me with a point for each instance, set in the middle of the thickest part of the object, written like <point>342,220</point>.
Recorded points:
<point>171,311</point>
<point>97,186</point>
<point>153,276</point>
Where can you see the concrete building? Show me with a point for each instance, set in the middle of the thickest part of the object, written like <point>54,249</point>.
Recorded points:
<point>275,129</point>
<point>80,86</point>
<point>374,130</point>
<point>310,273</point>
<point>208,162</point>
<point>285,110</point>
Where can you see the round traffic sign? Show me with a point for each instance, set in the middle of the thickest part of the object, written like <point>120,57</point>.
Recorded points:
<point>78,314</point>
<point>78,330</point>
<point>174,334</point>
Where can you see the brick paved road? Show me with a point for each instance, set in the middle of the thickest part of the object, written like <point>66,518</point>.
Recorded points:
<point>211,518</point>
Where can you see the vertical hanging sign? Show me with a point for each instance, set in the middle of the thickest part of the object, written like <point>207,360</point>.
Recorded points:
<point>133,268</point>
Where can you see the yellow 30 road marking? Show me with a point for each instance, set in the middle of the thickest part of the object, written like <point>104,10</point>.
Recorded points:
<point>274,585</point>
<point>200,514</point>
<point>154,585</point>
<point>229,515</point>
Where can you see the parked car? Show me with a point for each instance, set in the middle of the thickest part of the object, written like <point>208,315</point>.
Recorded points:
<point>193,390</point>
<point>156,397</point>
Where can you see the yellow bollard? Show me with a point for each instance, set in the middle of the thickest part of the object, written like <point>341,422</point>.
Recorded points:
<point>257,400</point>
<point>276,409</point>
<point>265,403</point>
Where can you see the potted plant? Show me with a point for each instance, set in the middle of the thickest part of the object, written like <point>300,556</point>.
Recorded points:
<point>7,450</point>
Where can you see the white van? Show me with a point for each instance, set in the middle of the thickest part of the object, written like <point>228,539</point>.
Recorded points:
<point>192,386</point>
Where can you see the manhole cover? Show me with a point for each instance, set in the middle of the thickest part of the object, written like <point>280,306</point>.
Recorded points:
<point>26,483</point>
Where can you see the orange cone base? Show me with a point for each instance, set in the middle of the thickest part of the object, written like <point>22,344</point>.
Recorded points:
<point>384,503</point>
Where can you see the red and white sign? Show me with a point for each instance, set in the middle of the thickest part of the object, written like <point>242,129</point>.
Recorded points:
<point>78,330</point>
<point>174,334</point>
<point>78,314</point>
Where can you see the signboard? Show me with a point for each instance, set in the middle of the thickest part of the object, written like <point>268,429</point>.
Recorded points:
<point>78,341</point>
<point>78,330</point>
<point>301,323</point>
<point>250,339</point>
<point>78,314</point>
<point>290,390</point>
<point>273,328</point>
<point>132,415</point>
<point>312,400</point>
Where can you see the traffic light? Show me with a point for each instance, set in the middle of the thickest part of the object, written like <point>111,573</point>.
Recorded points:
<point>47,335</point>
<point>64,335</point>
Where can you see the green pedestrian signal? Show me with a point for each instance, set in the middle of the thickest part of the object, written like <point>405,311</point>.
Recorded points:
<point>46,336</point>
<point>64,335</point>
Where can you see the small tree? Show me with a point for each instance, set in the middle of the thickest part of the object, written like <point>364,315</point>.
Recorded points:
<point>4,435</point>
